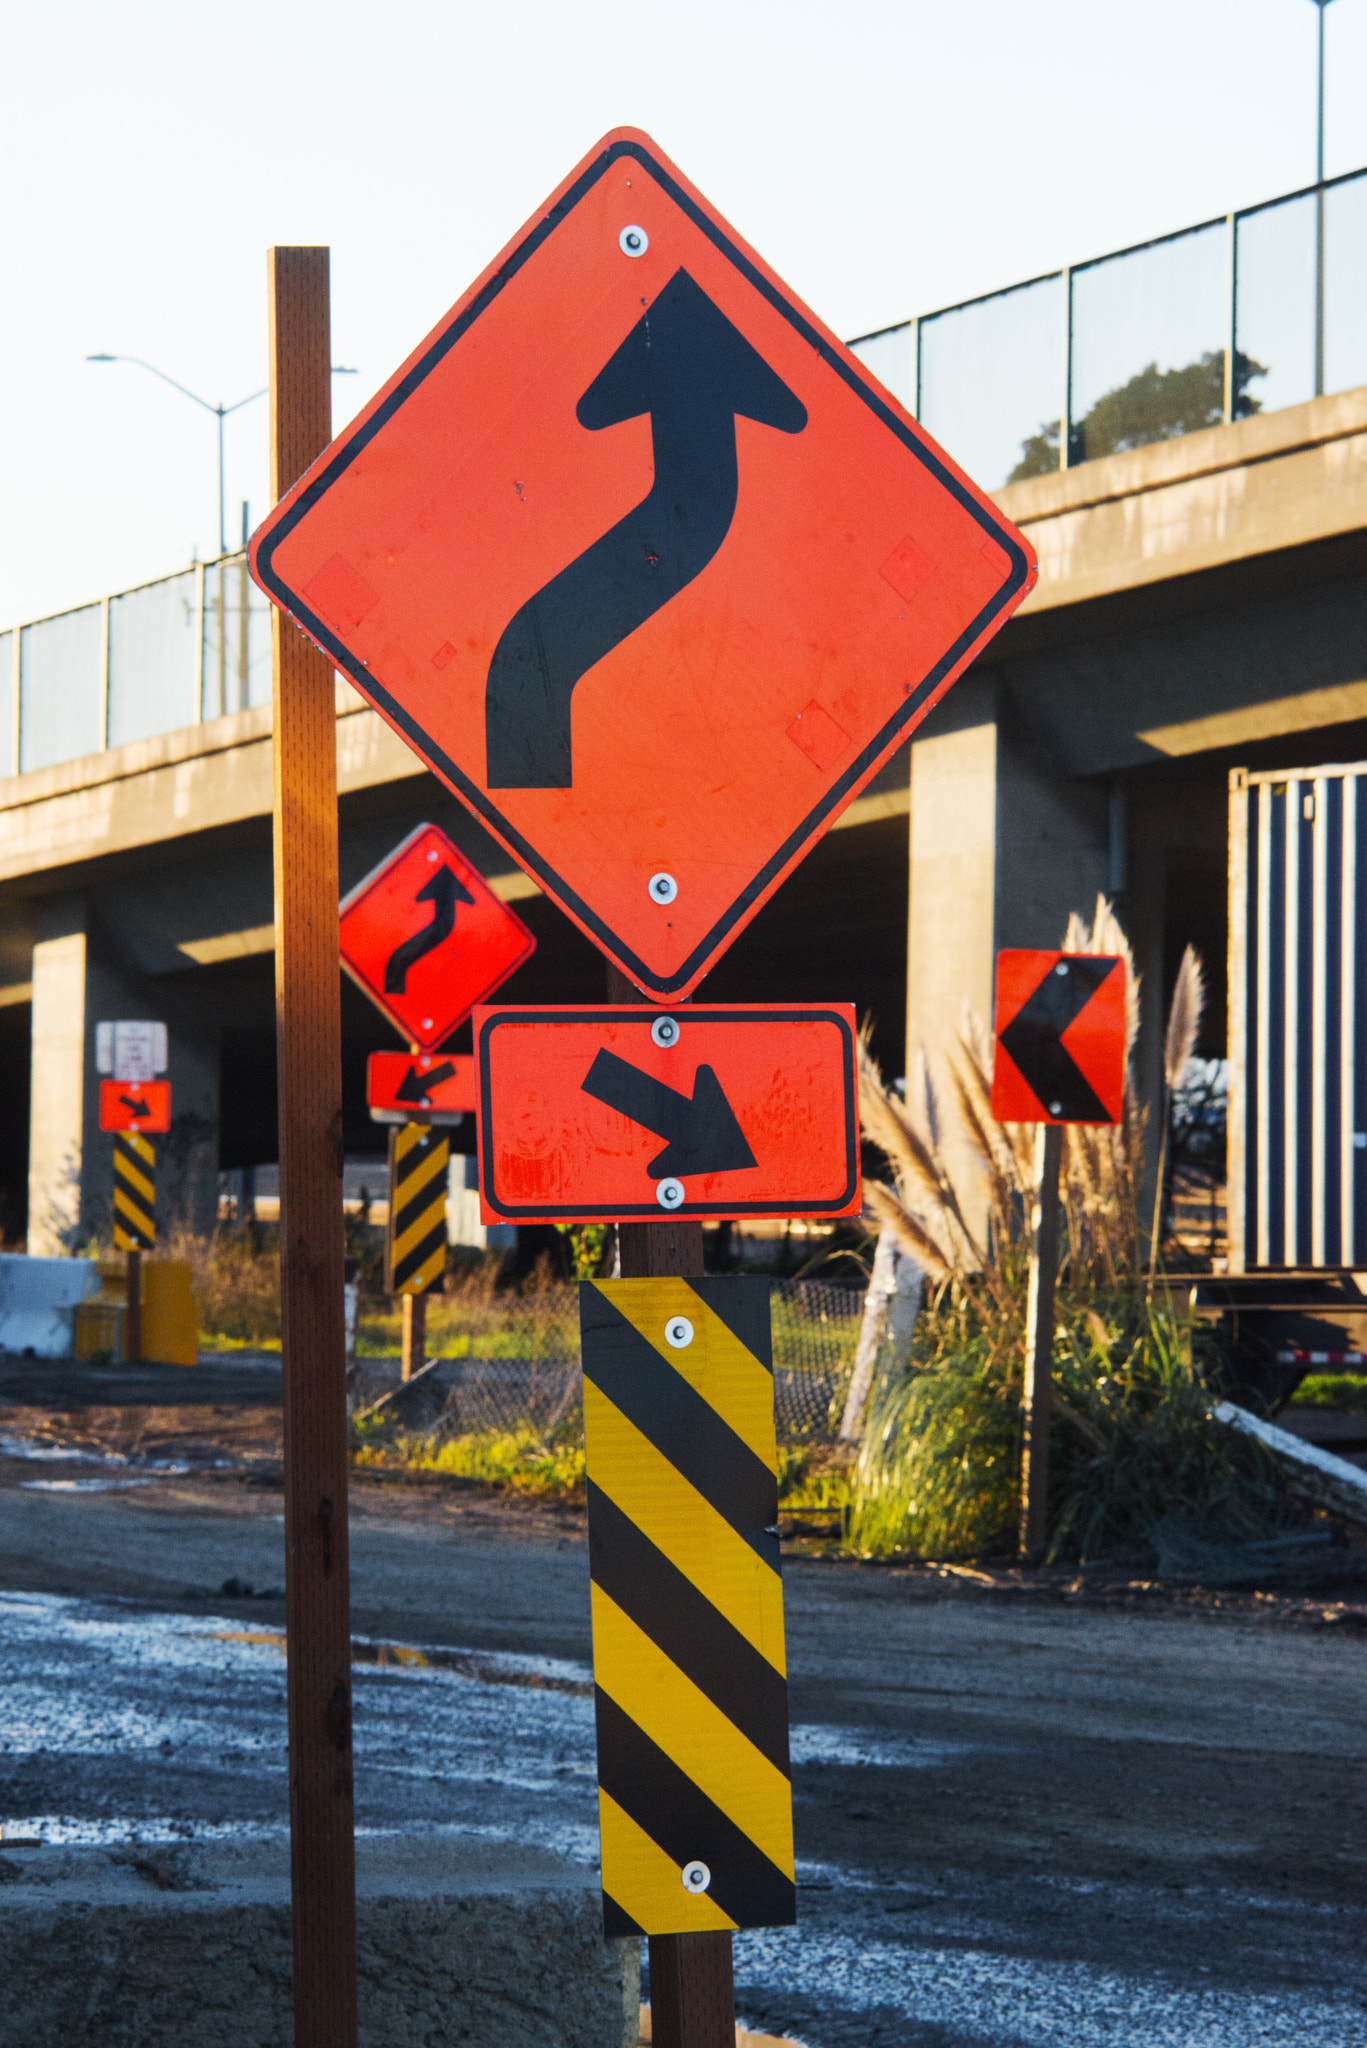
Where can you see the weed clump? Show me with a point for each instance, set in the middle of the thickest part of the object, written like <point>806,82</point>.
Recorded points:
<point>1134,1439</point>
<point>522,1460</point>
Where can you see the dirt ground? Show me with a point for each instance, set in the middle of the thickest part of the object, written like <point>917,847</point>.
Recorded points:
<point>1030,1808</point>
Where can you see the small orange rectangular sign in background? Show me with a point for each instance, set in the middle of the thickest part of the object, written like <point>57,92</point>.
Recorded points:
<point>135,1106</point>
<point>1060,1038</point>
<point>421,1088</point>
<point>720,1110</point>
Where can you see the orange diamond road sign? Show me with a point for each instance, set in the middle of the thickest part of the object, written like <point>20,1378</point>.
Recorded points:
<point>426,938</point>
<point>135,1106</point>
<point>1060,1038</point>
<point>425,1087</point>
<point>644,563</point>
<point>728,1109</point>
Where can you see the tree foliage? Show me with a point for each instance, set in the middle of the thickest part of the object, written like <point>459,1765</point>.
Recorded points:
<point>1155,405</point>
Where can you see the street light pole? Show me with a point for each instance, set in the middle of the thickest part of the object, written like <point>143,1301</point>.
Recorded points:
<point>220,412</point>
<point>1320,6</point>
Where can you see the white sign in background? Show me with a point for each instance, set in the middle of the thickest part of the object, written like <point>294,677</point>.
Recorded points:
<point>131,1050</point>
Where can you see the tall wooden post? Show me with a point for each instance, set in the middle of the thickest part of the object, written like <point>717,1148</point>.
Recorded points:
<point>313,1322</point>
<point>414,1356</point>
<point>692,1988</point>
<point>132,1313</point>
<point>1039,1343</point>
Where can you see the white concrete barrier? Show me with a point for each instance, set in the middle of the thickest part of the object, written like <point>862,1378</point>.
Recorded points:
<point>1332,1482</point>
<point>38,1300</point>
<point>480,1943</point>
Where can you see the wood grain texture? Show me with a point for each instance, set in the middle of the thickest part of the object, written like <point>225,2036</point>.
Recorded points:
<point>692,1987</point>
<point>414,1354</point>
<point>308,1028</point>
<point>1039,1343</point>
<point>692,1990</point>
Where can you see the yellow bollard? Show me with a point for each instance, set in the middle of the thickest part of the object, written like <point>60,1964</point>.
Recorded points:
<point>170,1331</point>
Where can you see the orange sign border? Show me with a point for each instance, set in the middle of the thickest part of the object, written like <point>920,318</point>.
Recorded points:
<point>1009,1084</point>
<point>847,1203</point>
<point>313,485</point>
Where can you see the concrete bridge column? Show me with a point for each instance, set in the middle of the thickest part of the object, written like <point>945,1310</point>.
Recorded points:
<point>1002,850</point>
<point>77,983</point>
<point>58,1137</point>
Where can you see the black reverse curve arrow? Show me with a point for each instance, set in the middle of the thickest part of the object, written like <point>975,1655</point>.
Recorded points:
<point>703,1134</point>
<point>1034,1040</point>
<point>414,1085</point>
<point>443,892</point>
<point>135,1105</point>
<point>694,373</point>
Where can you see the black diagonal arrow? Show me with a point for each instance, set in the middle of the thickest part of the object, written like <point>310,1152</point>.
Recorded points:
<point>703,1134</point>
<point>1035,1034</point>
<point>414,1085</point>
<point>135,1105</point>
<point>695,374</point>
<point>443,892</point>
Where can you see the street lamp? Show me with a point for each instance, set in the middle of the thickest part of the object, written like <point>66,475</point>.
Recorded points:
<point>1320,6</point>
<point>220,412</point>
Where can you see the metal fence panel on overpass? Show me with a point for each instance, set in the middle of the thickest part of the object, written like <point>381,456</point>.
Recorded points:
<point>1254,311</point>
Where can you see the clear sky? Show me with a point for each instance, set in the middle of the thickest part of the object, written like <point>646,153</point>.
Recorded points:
<point>886,158</point>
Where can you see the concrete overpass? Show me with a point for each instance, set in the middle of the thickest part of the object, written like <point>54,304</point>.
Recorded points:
<point>1202,601</point>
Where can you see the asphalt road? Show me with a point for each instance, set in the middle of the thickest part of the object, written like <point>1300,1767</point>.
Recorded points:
<point>1017,1823</point>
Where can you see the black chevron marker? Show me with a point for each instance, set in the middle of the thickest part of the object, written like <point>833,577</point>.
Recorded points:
<point>695,374</point>
<point>703,1134</point>
<point>1034,1037</point>
<point>443,892</point>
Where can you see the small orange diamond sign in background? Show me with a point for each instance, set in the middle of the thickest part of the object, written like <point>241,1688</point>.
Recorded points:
<point>1060,1038</point>
<point>426,938</point>
<point>644,563</point>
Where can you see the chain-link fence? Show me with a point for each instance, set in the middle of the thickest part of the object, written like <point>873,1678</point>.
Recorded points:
<point>514,1364</point>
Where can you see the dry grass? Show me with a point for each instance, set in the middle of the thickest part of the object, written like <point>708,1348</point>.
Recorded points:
<point>938,1469</point>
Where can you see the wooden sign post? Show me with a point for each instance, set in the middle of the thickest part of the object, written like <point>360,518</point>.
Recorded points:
<point>1039,1343</point>
<point>692,1984</point>
<point>1060,1036</point>
<point>313,1319</point>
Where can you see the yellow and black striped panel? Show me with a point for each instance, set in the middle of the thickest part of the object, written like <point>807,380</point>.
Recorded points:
<point>694,1792</point>
<point>415,1243</point>
<point>135,1192</point>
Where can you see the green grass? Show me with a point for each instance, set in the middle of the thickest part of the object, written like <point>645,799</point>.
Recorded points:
<point>813,1476</point>
<point>1133,1439</point>
<point>1343,1390</point>
<point>514,1461</point>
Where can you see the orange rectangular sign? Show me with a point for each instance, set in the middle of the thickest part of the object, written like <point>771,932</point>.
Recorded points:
<point>135,1106</point>
<point>644,563</point>
<point>419,1088</point>
<point>716,1110</point>
<point>1060,1037</point>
